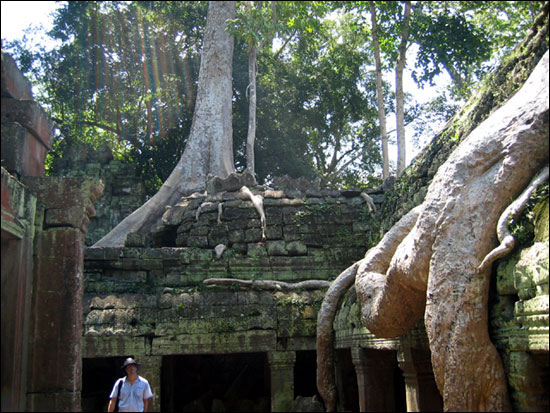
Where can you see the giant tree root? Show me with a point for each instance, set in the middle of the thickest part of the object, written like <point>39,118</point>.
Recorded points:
<point>270,285</point>
<point>434,269</point>
<point>379,258</point>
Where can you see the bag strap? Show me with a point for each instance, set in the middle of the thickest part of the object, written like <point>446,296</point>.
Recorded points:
<point>121,382</point>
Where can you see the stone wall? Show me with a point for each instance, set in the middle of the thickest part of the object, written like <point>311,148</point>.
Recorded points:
<point>43,225</point>
<point>519,317</point>
<point>151,302</point>
<point>123,193</point>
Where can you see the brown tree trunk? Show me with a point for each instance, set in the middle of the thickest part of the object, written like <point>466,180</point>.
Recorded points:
<point>210,146</point>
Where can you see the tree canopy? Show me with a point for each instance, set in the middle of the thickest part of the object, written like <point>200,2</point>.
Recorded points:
<point>126,73</point>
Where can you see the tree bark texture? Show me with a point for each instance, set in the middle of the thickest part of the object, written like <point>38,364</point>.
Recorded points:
<point>379,94</point>
<point>399,96</point>
<point>209,149</point>
<point>251,137</point>
<point>434,271</point>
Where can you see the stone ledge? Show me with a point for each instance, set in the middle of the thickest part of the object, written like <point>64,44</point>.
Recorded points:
<point>14,83</point>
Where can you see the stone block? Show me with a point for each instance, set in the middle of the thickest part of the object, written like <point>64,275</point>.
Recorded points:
<point>218,235</point>
<point>275,248</point>
<point>273,215</point>
<point>61,242</point>
<point>74,216</point>
<point>14,83</point>
<point>22,153</point>
<point>31,116</point>
<point>253,235</point>
<point>256,250</point>
<point>91,254</point>
<point>236,235</point>
<point>197,241</point>
<point>233,182</point>
<point>126,276</point>
<point>296,248</point>
<point>133,239</point>
<point>273,232</point>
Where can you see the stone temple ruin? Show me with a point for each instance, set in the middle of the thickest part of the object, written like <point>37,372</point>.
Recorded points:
<point>71,313</point>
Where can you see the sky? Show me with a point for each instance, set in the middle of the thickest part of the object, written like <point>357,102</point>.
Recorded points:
<point>19,15</point>
<point>16,16</point>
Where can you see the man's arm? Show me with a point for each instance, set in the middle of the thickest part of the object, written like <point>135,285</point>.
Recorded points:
<point>146,405</point>
<point>112,404</point>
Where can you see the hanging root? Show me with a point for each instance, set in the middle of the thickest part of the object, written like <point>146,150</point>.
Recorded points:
<point>258,202</point>
<point>270,285</point>
<point>200,208</point>
<point>507,241</point>
<point>369,201</point>
<point>326,383</point>
<point>220,212</point>
<point>377,260</point>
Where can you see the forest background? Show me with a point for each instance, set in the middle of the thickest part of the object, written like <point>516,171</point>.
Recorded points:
<point>124,75</point>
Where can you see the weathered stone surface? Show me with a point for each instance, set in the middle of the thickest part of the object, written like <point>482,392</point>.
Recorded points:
<point>31,116</point>
<point>14,84</point>
<point>22,153</point>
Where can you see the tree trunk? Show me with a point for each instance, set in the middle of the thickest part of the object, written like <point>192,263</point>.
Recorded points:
<point>251,137</point>
<point>210,146</point>
<point>379,94</point>
<point>399,96</point>
<point>188,83</point>
<point>434,270</point>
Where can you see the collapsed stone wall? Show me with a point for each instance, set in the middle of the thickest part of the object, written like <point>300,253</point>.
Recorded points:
<point>124,190</point>
<point>151,301</point>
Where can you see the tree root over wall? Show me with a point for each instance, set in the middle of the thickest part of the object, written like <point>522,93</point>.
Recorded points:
<point>429,263</point>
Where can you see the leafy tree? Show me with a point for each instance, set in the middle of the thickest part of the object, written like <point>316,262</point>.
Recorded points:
<point>209,149</point>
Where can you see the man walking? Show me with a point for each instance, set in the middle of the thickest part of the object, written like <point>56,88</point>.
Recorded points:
<point>132,392</point>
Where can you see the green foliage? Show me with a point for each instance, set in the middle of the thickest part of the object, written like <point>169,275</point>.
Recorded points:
<point>124,75</point>
<point>523,228</point>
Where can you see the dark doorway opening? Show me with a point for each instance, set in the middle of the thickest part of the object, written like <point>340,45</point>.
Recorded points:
<point>216,382</point>
<point>98,378</point>
<point>305,374</point>
<point>399,389</point>
<point>346,382</point>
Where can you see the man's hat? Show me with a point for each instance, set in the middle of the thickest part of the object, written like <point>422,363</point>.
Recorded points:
<point>129,361</point>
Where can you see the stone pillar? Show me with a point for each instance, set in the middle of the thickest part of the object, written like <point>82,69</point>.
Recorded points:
<point>281,364</point>
<point>374,370</point>
<point>55,370</point>
<point>151,370</point>
<point>421,391</point>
